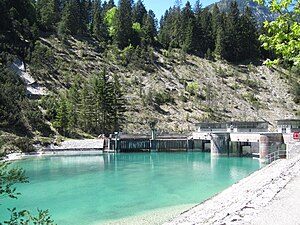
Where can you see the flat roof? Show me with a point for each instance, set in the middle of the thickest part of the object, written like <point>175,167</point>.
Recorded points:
<point>288,121</point>
<point>238,124</point>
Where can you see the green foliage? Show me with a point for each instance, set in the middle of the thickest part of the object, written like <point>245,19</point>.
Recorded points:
<point>11,96</point>
<point>232,37</point>
<point>193,88</point>
<point>124,24</point>
<point>10,143</point>
<point>136,27</point>
<point>110,20</point>
<point>126,55</point>
<point>162,97</point>
<point>9,177</point>
<point>97,106</point>
<point>283,33</point>
<point>24,217</point>
<point>250,97</point>
<point>48,14</point>
<point>296,92</point>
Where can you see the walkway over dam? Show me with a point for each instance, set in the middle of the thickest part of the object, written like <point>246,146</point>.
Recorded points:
<point>239,144</point>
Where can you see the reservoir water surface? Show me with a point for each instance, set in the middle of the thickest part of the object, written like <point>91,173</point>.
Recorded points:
<point>96,189</point>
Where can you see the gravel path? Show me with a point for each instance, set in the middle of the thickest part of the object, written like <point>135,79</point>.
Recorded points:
<point>251,200</point>
<point>79,144</point>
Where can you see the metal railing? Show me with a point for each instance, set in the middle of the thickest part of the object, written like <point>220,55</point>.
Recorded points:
<point>279,154</point>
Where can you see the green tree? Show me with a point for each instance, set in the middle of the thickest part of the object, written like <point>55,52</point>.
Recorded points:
<point>176,32</point>
<point>232,35</point>
<point>248,36</point>
<point>86,108</point>
<point>110,21</point>
<point>138,12</point>
<point>62,120</point>
<point>71,22</point>
<point>99,29</point>
<point>149,29</point>
<point>207,32</point>
<point>124,23</point>
<point>188,26</point>
<point>48,14</point>
<point>12,95</point>
<point>283,34</point>
<point>118,106</point>
<point>165,29</point>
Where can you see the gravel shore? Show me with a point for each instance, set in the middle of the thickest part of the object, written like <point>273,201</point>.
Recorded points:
<point>268,196</point>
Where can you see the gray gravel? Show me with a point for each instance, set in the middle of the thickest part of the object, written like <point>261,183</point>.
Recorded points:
<point>251,200</point>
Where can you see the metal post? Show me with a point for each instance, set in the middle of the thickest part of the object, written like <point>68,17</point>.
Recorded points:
<point>116,141</point>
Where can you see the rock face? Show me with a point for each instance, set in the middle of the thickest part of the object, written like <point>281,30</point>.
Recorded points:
<point>242,202</point>
<point>33,88</point>
<point>260,13</point>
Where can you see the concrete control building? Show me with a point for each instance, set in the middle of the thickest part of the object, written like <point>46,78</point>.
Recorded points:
<point>288,126</point>
<point>238,126</point>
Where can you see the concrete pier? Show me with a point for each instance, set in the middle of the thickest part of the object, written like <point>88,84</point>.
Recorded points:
<point>220,144</point>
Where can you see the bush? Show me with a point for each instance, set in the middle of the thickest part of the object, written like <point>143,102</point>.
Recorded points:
<point>162,98</point>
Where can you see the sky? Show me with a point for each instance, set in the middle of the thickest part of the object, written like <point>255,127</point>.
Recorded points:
<point>160,6</point>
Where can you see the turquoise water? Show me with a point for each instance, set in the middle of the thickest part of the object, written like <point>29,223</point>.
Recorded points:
<point>95,189</point>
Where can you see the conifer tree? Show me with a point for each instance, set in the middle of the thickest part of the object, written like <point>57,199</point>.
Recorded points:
<point>198,31</point>
<point>98,26</point>
<point>86,108</point>
<point>71,23</point>
<point>187,28</point>
<point>118,106</point>
<point>61,120</point>
<point>206,25</point>
<point>48,14</point>
<point>124,24</point>
<point>165,29</point>
<point>232,36</point>
<point>249,39</point>
<point>149,30</point>
<point>216,20</point>
<point>219,24</point>
<point>138,12</point>
<point>176,32</point>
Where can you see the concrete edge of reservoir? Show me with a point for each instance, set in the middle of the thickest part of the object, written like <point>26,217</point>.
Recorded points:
<point>253,199</point>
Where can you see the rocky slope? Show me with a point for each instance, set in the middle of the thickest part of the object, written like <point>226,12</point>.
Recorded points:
<point>260,13</point>
<point>178,90</point>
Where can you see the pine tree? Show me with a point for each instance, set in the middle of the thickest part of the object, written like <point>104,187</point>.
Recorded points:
<point>149,30</point>
<point>71,23</point>
<point>249,38</point>
<point>206,25</point>
<point>232,36</point>
<point>187,27</point>
<point>86,108</point>
<point>176,32</point>
<point>61,120</point>
<point>138,12</point>
<point>48,14</point>
<point>220,36</point>
<point>216,20</point>
<point>118,106</point>
<point>165,29</point>
<point>99,29</point>
<point>124,24</point>
<point>198,30</point>
<point>84,16</point>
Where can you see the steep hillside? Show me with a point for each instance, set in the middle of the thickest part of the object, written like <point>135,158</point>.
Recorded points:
<point>177,90</point>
